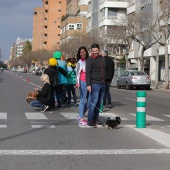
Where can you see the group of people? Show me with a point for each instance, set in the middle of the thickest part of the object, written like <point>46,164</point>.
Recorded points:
<point>92,75</point>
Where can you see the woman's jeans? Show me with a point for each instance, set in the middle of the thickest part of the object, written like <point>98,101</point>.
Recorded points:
<point>97,93</point>
<point>85,98</point>
<point>36,103</point>
<point>71,89</point>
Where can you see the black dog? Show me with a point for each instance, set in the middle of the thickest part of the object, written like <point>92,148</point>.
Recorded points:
<point>112,123</point>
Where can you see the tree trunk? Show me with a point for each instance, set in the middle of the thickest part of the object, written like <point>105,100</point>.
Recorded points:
<point>142,60</point>
<point>166,68</point>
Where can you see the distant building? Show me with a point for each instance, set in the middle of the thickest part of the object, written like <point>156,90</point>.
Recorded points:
<point>17,47</point>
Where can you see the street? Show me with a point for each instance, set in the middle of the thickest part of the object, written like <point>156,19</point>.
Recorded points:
<point>32,140</point>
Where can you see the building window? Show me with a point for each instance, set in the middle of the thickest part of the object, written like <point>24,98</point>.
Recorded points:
<point>59,10</point>
<point>71,26</point>
<point>58,26</point>
<point>59,2</point>
<point>46,11</point>
<point>58,34</point>
<point>79,26</point>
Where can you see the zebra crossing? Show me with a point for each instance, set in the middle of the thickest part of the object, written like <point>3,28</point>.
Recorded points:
<point>42,120</point>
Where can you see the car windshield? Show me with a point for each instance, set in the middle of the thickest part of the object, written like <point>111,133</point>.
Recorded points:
<point>137,73</point>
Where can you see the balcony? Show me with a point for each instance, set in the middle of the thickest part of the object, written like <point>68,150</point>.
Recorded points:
<point>116,4</point>
<point>88,15</point>
<point>111,21</point>
<point>131,8</point>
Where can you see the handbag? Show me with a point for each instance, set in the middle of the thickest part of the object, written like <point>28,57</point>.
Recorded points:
<point>31,96</point>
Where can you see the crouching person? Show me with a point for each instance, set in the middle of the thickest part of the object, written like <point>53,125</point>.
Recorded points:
<point>44,95</point>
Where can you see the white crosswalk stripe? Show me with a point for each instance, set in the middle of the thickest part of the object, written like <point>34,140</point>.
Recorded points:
<point>149,118</point>
<point>111,115</point>
<point>37,117</point>
<point>3,120</point>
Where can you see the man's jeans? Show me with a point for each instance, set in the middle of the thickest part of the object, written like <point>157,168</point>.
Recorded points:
<point>85,99</point>
<point>36,103</point>
<point>97,93</point>
<point>107,93</point>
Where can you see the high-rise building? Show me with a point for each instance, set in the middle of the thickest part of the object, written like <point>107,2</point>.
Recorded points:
<point>47,23</point>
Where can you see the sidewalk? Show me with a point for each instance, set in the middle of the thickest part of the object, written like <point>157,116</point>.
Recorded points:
<point>160,88</point>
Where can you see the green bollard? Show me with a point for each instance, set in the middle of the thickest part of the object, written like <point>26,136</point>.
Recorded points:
<point>101,108</point>
<point>141,109</point>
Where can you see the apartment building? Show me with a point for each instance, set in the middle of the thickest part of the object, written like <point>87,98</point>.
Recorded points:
<point>74,22</point>
<point>154,57</point>
<point>101,13</point>
<point>17,47</point>
<point>47,24</point>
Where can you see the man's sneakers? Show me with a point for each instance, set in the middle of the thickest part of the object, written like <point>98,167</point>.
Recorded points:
<point>45,108</point>
<point>92,124</point>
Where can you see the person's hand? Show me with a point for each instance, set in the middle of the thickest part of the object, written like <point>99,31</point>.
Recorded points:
<point>89,88</point>
<point>77,86</point>
<point>36,88</point>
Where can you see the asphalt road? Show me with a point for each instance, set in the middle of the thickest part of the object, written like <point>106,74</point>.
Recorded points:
<point>32,140</point>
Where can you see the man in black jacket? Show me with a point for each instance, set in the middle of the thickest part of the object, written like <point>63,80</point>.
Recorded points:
<point>95,80</point>
<point>109,71</point>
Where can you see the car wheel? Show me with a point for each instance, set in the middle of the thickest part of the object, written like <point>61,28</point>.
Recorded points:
<point>127,86</point>
<point>148,88</point>
<point>118,86</point>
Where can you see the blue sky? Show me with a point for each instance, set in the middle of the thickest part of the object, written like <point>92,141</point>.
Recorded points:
<point>16,20</point>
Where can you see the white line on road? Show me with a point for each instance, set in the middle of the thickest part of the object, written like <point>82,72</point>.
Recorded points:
<point>35,115</point>
<point>85,152</point>
<point>130,99</point>
<point>158,136</point>
<point>111,115</point>
<point>3,116</point>
<point>43,126</point>
<point>151,118</point>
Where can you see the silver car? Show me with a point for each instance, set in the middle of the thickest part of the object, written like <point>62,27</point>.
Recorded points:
<point>134,78</point>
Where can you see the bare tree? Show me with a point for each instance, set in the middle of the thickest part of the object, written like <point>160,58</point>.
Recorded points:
<point>162,34</point>
<point>139,28</point>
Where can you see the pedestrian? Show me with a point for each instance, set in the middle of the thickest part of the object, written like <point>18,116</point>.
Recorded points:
<point>62,76</point>
<point>109,72</point>
<point>2,69</point>
<point>82,56</point>
<point>71,81</point>
<point>44,95</point>
<point>95,78</point>
<point>52,71</point>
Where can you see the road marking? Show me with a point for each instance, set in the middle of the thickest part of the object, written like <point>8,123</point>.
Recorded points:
<point>151,118</point>
<point>42,126</point>
<point>158,136</point>
<point>85,152</point>
<point>3,116</point>
<point>35,115</point>
<point>111,115</point>
<point>130,99</point>
<point>70,116</point>
<point>167,115</point>
<point>3,126</point>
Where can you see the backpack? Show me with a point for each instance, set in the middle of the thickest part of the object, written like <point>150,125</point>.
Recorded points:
<point>55,81</point>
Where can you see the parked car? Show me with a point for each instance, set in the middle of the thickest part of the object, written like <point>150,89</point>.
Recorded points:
<point>134,78</point>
